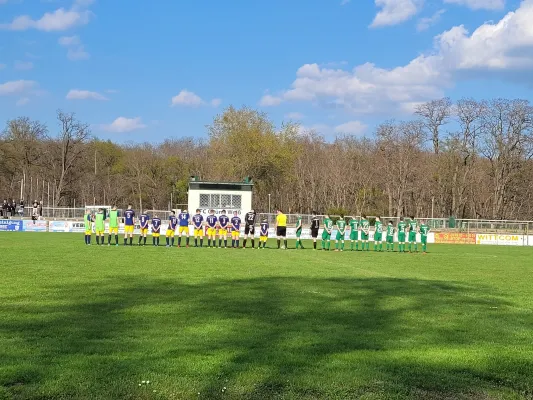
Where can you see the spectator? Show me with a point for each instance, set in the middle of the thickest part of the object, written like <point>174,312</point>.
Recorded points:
<point>5,206</point>
<point>35,211</point>
<point>21,208</point>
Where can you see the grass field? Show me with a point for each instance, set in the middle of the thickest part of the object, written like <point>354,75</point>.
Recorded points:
<point>80,322</point>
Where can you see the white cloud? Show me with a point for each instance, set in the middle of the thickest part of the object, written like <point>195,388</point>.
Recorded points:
<point>16,87</point>
<point>123,124</point>
<point>503,46</point>
<point>352,128</point>
<point>426,22</point>
<point>76,94</point>
<point>23,65</point>
<point>187,98</point>
<point>479,4</point>
<point>216,102</point>
<point>22,101</point>
<point>268,100</point>
<point>69,41</point>
<point>58,20</point>
<point>296,116</point>
<point>394,12</point>
<point>75,48</point>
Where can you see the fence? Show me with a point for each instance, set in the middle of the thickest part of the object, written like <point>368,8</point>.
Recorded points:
<point>436,224</point>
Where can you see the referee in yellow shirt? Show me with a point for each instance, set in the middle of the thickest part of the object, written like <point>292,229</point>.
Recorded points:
<point>281,228</point>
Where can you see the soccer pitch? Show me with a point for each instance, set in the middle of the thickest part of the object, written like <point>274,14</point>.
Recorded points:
<point>79,322</point>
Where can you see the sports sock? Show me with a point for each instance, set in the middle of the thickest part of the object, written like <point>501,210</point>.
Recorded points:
<point>172,241</point>
<point>201,242</point>
<point>131,241</point>
<point>314,245</point>
<point>279,243</point>
<point>89,239</point>
<point>416,246</point>
<point>109,239</point>
<point>187,240</point>
<point>357,245</point>
<point>125,241</point>
<point>85,238</point>
<point>140,239</point>
<point>342,245</point>
<point>179,241</point>
<point>237,242</point>
<point>297,243</point>
<point>323,244</point>
<point>98,239</point>
<point>381,246</point>
<point>153,240</point>
<point>232,242</point>
<point>219,242</point>
<point>244,243</point>
<point>253,244</point>
<point>351,245</point>
<point>368,246</point>
<point>225,242</point>
<point>264,244</point>
<point>336,245</point>
<point>409,246</point>
<point>285,243</point>
<point>195,242</point>
<point>144,240</point>
<point>167,241</point>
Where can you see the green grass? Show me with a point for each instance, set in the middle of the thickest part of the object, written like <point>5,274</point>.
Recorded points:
<point>80,322</point>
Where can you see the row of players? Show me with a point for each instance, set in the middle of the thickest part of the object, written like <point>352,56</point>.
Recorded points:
<point>219,227</point>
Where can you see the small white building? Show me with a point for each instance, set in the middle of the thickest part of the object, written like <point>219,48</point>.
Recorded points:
<point>229,196</point>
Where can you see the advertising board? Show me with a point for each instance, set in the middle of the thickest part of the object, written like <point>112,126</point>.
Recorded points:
<point>35,226</point>
<point>11,225</point>
<point>455,238</point>
<point>500,239</point>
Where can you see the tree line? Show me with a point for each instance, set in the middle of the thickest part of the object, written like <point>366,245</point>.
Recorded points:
<point>468,159</point>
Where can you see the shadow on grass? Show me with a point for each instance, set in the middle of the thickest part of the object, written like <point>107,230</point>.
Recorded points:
<point>264,338</point>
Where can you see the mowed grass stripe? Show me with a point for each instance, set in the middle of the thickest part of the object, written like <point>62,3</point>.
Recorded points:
<point>93,322</point>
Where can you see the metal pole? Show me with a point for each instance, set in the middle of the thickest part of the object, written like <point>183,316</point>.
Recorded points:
<point>269,203</point>
<point>21,184</point>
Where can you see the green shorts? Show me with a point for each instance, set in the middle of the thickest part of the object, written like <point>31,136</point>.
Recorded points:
<point>401,237</point>
<point>412,236</point>
<point>340,236</point>
<point>354,235</point>
<point>424,239</point>
<point>378,237</point>
<point>298,233</point>
<point>390,239</point>
<point>364,236</point>
<point>326,235</point>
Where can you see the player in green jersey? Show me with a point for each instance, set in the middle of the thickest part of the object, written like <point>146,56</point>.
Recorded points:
<point>341,231</point>
<point>401,235</point>
<point>354,233</point>
<point>413,230</point>
<point>365,231</point>
<point>326,233</point>
<point>378,235</point>
<point>424,230</point>
<point>299,228</point>
<point>113,225</point>
<point>88,223</point>
<point>99,226</point>
<point>390,237</point>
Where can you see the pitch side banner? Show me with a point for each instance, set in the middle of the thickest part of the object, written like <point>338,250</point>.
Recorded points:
<point>455,238</point>
<point>11,225</point>
<point>35,226</point>
<point>501,239</point>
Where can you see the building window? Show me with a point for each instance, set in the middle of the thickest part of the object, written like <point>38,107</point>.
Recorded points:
<point>217,201</point>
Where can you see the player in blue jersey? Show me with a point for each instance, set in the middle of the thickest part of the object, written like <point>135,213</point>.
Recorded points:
<point>223,224</point>
<point>235,230</point>
<point>184,220</point>
<point>263,233</point>
<point>129,225</point>
<point>211,222</point>
<point>171,230</point>
<point>144,218</point>
<point>198,223</point>
<point>156,230</point>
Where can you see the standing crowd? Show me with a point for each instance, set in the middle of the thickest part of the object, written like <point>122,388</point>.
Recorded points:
<point>219,228</point>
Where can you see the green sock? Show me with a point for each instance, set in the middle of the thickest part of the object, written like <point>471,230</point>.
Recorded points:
<point>424,247</point>
<point>351,245</point>
<point>323,244</point>
<point>416,246</point>
<point>297,243</point>
<point>342,245</point>
<point>336,245</point>
<point>367,246</point>
<point>329,244</point>
<point>381,246</point>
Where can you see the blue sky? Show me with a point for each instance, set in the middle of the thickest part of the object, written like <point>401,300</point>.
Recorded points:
<point>146,71</point>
